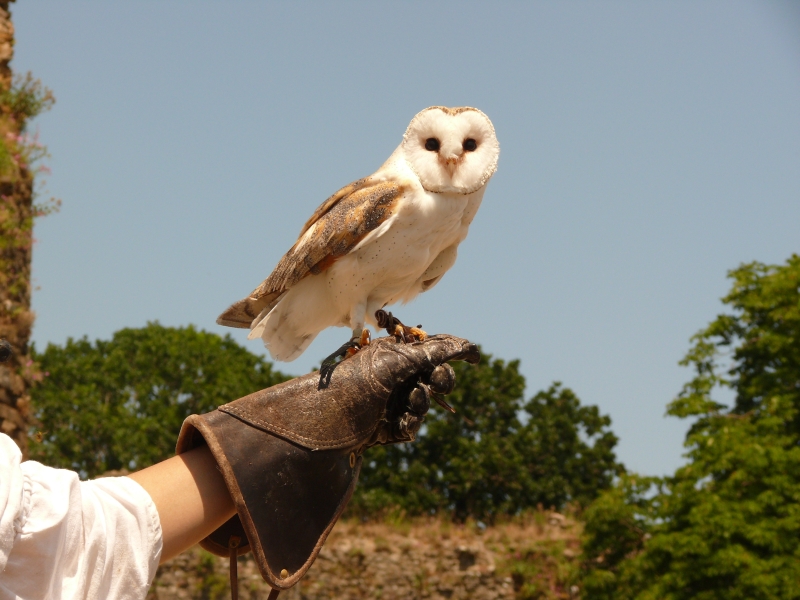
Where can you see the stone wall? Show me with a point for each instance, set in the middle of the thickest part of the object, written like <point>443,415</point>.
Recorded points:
<point>16,241</point>
<point>535,557</point>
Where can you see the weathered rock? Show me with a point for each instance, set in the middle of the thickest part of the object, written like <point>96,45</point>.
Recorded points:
<point>425,560</point>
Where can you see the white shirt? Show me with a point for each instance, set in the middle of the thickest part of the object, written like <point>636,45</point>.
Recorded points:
<point>66,539</point>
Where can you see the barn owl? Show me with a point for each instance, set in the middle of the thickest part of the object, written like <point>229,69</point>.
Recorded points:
<point>380,240</point>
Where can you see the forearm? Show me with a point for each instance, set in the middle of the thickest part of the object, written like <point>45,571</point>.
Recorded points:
<point>190,496</point>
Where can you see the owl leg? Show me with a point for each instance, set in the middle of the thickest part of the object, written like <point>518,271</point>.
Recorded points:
<point>395,327</point>
<point>360,339</point>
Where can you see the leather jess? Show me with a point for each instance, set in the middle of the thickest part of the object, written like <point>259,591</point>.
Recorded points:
<point>291,454</point>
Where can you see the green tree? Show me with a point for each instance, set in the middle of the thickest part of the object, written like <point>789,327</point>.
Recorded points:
<point>498,455</point>
<point>119,404</point>
<point>727,524</point>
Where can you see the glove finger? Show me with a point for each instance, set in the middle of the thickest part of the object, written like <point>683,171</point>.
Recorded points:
<point>405,429</point>
<point>419,400</point>
<point>442,380</point>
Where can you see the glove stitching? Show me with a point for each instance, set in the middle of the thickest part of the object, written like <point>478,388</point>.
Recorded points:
<point>289,433</point>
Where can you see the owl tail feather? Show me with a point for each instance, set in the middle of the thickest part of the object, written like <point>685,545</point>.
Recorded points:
<point>280,339</point>
<point>245,311</point>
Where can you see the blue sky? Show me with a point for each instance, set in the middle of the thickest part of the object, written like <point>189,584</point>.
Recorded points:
<point>646,149</point>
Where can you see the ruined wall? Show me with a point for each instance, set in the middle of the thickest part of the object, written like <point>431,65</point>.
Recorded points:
<point>16,199</point>
<point>21,98</point>
<point>532,557</point>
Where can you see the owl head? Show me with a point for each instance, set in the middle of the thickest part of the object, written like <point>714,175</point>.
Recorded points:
<point>451,149</point>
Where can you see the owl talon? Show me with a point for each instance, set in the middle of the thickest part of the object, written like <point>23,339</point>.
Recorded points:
<point>363,341</point>
<point>420,335</point>
<point>402,333</point>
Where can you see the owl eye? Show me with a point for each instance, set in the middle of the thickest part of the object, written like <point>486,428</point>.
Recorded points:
<point>432,144</point>
<point>469,145</point>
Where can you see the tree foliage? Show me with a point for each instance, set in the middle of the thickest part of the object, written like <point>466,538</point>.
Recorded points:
<point>499,455</point>
<point>727,524</point>
<point>119,404</point>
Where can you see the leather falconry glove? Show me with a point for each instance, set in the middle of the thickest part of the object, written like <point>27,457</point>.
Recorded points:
<point>291,454</point>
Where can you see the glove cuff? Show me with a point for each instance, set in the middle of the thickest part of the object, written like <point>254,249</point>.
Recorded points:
<point>287,497</point>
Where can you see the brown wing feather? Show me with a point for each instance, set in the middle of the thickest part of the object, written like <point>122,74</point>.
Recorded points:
<point>339,224</point>
<point>333,200</point>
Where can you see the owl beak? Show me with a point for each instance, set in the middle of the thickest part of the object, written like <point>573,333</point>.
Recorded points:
<point>450,163</point>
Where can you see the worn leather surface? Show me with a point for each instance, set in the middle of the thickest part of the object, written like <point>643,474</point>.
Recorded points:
<point>291,454</point>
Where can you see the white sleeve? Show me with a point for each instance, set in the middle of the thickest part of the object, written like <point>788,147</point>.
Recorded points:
<point>65,539</point>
